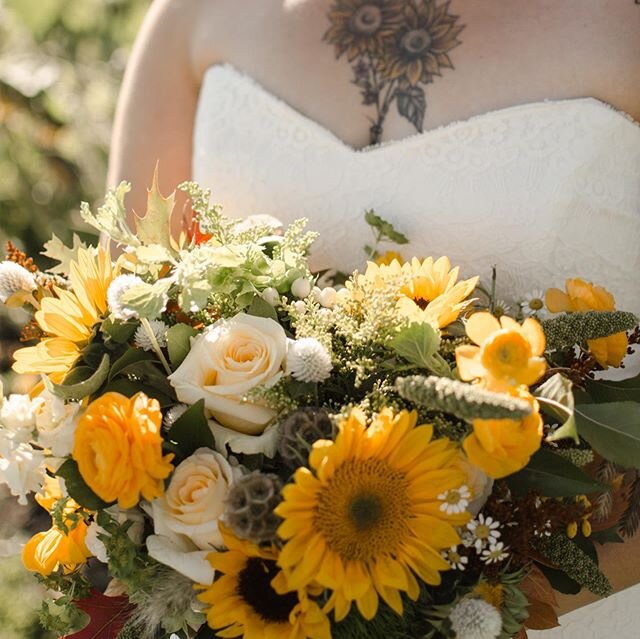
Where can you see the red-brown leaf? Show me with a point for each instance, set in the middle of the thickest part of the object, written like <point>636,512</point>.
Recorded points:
<point>107,616</point>
<point>536,587</point>
<point>541,616</point>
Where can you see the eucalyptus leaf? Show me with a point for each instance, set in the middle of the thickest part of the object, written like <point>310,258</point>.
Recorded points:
<point>83,389</point>
<point>191,430</point>
<point>261,308</point>
<point>604,390</point>
<point>552,476</point>
<point>613,430</point>
<point>78,488</point>
<point>179,342</point>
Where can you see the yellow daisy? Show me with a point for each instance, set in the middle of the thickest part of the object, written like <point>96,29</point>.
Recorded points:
<point>581,296</point>
<point>506,353</point>
<point>430,293</point>
<point>68,318</point>
<point>250,598</point>
<point>367,519</point>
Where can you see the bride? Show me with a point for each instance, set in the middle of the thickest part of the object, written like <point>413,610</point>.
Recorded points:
<point>498,133</point>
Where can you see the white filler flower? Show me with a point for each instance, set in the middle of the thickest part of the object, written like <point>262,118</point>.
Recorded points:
<point>159,330</point>
<point>116,290</point>
<point>475,619</point>
<point>13,279</point>
<point>308,360</point>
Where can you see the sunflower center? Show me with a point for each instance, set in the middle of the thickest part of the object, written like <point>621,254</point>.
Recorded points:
<point>363,511</point>
<point>416,41</point>
<point>367,20</point>
<point>421,302</point>
<point>254,586</point>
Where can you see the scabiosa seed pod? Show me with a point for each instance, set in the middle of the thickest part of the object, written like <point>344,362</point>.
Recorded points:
<point>142,340</point>
<point>13,279</point>
<point>298,432</point>
<point>475,619</point>
<point>308,360</point>
<point>249,507</point>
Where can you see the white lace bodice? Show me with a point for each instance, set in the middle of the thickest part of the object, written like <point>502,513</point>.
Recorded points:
<point>544,191</point>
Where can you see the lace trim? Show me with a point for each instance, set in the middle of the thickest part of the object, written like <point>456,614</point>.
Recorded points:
<point>322,130</point>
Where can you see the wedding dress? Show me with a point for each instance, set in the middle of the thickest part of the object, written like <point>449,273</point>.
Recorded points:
<point>543,191</point>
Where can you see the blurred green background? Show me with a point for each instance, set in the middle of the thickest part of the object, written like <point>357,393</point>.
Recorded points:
<point>61,65</point>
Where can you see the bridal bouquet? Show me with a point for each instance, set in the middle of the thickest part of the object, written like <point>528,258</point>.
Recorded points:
<point>237,447</point>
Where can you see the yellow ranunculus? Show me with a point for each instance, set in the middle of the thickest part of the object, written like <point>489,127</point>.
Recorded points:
<point>581,296</point>
<point>501,447</point>
<point>506,353</point>
<point>46,551</point>
<point>388,257</point>
<point>118,447</point>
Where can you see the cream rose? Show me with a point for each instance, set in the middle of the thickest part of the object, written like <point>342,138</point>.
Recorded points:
<point>186,518</point>
<point>226,361</point>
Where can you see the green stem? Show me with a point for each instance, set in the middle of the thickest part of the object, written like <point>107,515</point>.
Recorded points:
<point>144,322</point>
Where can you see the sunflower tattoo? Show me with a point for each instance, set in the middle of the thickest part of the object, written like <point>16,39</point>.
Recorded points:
<point>395,47</point>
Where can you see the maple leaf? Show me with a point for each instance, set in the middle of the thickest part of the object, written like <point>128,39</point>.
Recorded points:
<point>107,616</point>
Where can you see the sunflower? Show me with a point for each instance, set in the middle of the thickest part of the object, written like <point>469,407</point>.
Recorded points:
<point>366,520</point>
<point>363,26</point>
<point>430,292</point>
<point>419,49</point>
<point>68,318</point>
<point>250,599</point>
<point>581,296</point>
<point>506,353</point>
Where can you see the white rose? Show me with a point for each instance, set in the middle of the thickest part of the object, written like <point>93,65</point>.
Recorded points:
<point>17,414</point>
<point>22,468</point>
<point>228,360</point>
<point>194,500</point>
<point>56,423</point>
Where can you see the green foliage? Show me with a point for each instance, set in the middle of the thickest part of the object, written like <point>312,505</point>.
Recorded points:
<point>191,430</point>
<point>569,329</point>
<point>77,487</point>
<point>419,343</point>
<point>179,343</point>
<point>383,231</point>
<point>604,390</point>
<point>462,400</point>
<point>84,388</point>
<point>556,397</point>
<point>552,476</point>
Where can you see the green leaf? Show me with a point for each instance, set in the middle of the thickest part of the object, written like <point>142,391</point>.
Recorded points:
<point>385,229</point>
<point>77,375</point>
<point>191,430</point>
<point>608,536</point>
<point>131,356</point>
<point>261,308</point>
<point>552,476</point>
<point>81,389</point>
<point>129,388</point>
<point>613,430</point>
<point>418,343</point>
<point>603,390</point>
<point>556,398</point>
<point>155,226</point>
<point>560,581</point>
<point>78,488</point>
<point>119,332</point>
<point>147,300</point>
<point>179,342</point>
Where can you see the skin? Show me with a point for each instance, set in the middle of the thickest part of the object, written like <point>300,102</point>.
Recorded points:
<point>511,53</point>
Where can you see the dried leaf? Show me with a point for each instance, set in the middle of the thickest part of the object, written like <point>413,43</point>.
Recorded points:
<point>537,587</point>
<point>155,226</point>
<point>541,616</point>
<point>631,517</point>
<point>56,250</point>
<point>107,616</point>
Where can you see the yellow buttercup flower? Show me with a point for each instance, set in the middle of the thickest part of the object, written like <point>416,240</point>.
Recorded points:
<point>46,551</point>
<point>430,293</point>
<point>581,296</point>
<point>388,257</point>
<point>367,519</point>
<point>68,318</point>
<point>501,447</point>
<point>118,447</point>
<point>250,598</point>
<point>506,353</point>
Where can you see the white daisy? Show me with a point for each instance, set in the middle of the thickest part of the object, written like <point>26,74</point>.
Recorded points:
<point>485,531</point>
<point>455,501</point>
<point>500,308</point>
<point>494,554</point>
<point>532,304</point>
<point>455,559</point>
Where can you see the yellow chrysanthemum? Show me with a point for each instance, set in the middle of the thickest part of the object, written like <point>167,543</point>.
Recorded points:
<point>581,296</point>
<point>68,318</point>
<point>250,598</point>
<point>506,353</point>
<point>431,292</point>
<point>367,519</point>
<point>501,447</point>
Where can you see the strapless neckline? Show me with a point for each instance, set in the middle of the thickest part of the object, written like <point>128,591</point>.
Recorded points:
<point>291,112</point>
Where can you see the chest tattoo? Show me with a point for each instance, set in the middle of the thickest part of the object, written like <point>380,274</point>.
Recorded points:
<point>395,48</point>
